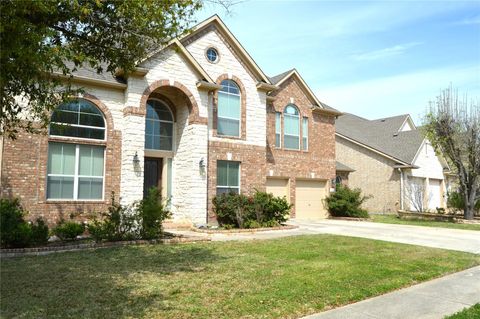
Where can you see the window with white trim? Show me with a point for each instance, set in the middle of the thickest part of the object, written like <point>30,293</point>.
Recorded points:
<point>278,129</point>
<point>158,126</point>
<point>305,133</point>
<point>291,127</point>
<point>228,177</point>
<point>75,171</point>
<point>78,118</point>
<point>228,113</point>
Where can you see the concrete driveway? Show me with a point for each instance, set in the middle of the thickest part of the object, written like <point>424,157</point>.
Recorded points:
<point>462,240</point>
<point>454,239</point>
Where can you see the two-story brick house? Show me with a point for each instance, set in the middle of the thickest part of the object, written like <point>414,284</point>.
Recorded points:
<point>197,118</point>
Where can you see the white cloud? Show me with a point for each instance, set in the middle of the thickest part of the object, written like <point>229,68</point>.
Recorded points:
<point>405,93</point>
<point>385,52</point>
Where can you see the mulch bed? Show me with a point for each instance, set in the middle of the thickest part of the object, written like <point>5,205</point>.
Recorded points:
<point>241,230</point>
<point>84,244</point>
<point>351,218</point>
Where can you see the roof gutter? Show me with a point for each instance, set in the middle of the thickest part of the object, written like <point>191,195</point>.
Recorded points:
<point>91,81</point>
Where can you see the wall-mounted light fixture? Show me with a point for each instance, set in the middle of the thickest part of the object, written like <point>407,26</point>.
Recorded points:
<point>201,164</point>
<point>136,160</point>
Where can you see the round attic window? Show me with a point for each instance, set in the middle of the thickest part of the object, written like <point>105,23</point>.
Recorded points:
<point>212,55</point>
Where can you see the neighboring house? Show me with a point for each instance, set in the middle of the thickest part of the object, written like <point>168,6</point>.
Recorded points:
<point>196,119</point>
<point>393,162</point>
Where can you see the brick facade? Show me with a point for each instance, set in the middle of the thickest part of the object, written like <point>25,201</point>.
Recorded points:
<point>24,172</point>
<point>318,161</point>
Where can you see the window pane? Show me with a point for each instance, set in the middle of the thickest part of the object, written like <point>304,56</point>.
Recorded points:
<point>155,142</point>
<point>228,106</point>
<point>61,159</point>
<point>64,117</point>
<point>291,142</point>
<point>226,190</point>
<point>228,127</point>
<point>149,125</point>
<point>229,86</point>
<point>305,133</point>
<point>222,177</point>
<point>90,188</point>
<point>292,125</point>
<point>278,122</point>
<point>166,129</point>
<point>87,107</point>
<point>59,187</point>
<point>292,110</point>
<point>165,143</point>
<point>91,120</point>
<point>233,176</point>
<point>277,140</point>
<point>148,142</point>
<point>91,160</point>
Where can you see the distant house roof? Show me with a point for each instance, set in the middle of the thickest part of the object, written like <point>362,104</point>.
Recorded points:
<point>382,135</point>
<point>342,167</point>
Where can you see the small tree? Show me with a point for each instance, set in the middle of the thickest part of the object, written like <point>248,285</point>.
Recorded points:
<point>416,195</point>
<point>453,127</point>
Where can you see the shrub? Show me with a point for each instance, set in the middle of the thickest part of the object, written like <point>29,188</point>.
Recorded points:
<point>15,232</point>
<point>40,232</point>
<point>260,210</point>
<point>68,230</point>
<point>346,202</point>
<point>456,202</point>
<point>152,214</point>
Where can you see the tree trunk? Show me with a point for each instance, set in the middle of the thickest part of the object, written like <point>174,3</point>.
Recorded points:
<point>469,203</point>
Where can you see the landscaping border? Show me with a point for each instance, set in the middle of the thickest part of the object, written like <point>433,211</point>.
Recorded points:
<point>435,217</point>
<point>38,251</point>
<point>241,230</point>
<point>358,219</point>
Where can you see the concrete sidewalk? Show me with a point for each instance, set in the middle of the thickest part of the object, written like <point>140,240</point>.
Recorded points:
<point>431,300</point>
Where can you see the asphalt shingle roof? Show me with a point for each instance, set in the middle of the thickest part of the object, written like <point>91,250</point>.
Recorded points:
<point>382,135</point>
<point>275,79</point>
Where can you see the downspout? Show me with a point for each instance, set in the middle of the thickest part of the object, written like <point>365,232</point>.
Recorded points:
<point>401,188</point>
<point>209,116</point>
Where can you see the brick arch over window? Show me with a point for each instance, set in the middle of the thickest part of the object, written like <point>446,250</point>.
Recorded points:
<point>243,106</point>
<point>102,107</point>
<point>194,116</point>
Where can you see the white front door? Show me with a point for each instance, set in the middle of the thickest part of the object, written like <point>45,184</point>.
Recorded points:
<point>434,194</point>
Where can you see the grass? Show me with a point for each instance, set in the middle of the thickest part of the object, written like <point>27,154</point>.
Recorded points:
<point>393,219</point>
<point>280,278</point>
<point>467,313</point>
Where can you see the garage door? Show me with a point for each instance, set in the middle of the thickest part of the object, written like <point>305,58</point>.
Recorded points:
<point>434,193</point>
<point>309,197</point>
<point>278,187</point>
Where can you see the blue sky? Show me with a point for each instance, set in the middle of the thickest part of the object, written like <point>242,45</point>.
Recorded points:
<point>374,59</point>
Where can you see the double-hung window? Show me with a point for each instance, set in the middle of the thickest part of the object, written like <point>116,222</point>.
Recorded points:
<point>75,171</point>
<point>305,133</point>
<point>228,177</point>
<point>291,130</point>
<point>229,110</point>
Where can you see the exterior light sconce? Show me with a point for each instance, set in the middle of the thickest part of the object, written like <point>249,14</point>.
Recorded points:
<point>136,160</point>
<point>201,165</point>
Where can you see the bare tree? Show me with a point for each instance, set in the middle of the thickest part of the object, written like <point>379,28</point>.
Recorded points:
<point>453,127</point>
<point>416,195</point>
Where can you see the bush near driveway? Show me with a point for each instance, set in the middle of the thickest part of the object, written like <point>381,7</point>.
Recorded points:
<point>241,211</point>
<point>346,202</point>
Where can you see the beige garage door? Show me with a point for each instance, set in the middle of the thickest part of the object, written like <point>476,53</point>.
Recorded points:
<point>278,187</point>
<point>309,197</point>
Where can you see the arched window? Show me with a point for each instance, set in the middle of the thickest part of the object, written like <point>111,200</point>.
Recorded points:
<point>291,127</point>
<point>78,118</point>
<point>228,118</point>
<point>158,126</point>
<point>76,171</point>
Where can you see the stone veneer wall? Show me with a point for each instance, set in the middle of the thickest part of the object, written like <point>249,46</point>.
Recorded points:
<point>374,175</point>
<point>318,162</point>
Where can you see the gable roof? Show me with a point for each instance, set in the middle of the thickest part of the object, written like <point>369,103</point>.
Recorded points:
<point>239,49</point>
<point>318,105</point>
<point>382,135</point>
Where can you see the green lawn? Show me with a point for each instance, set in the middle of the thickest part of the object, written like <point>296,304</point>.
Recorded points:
<point>467,313</point>
<point>281,278</point>
<point>393,219</point>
